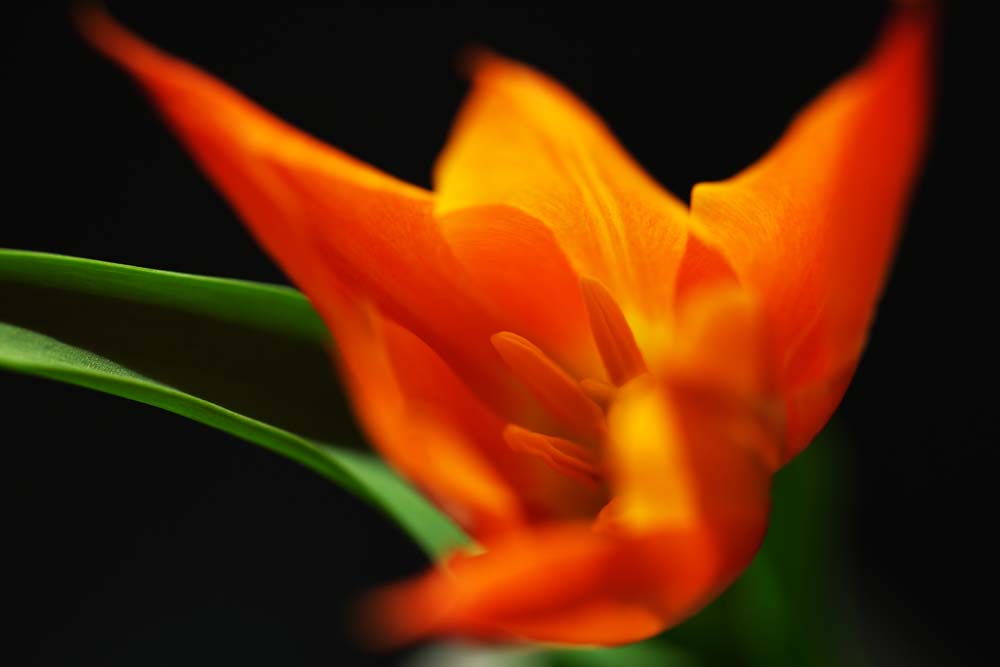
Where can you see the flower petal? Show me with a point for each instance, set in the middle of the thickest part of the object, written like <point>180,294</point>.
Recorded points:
<point>679,465</point>
<point>812,225</point>
<point>357,240</point>
<point>690,510</point>
<point>432,428</point>
<point>608,590</point>
<point>387,370</point>
<point>653,477</point>
<point>514,260</point>
<point>721,362</point>
<point>524,141</point>
<point>320,212</point>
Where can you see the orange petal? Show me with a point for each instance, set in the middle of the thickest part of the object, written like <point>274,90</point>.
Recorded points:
<point>812,225</point>
<point>510,592</point>
<point>525,141</point>
<point>318,211</point>
<point>514,260</point>
<point>722,344</point>
<point>559,583</point>
<point>689,514</point>
<point>650,467</point>
<point>430,426</point>
<point>722,359</point>
<point>557,392</point>
<point>425,421</point>
<point>677,465</point>
<point>599,622</point>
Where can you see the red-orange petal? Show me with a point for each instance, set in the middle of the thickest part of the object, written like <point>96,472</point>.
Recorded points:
<point>560,583</point>
<point>812,225</point>
<point>679,465</point>
<point>649,461</point>
<point>514,260</point>
<point>318,211</point>
<point>689,512</point>
<point>560,395</point>
<point>350,236</point>
<point>523,140</point>
<point>431,427</point>
<point>417,413</point>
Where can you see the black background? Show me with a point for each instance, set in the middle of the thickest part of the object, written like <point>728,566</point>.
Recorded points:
<point>137,537</point>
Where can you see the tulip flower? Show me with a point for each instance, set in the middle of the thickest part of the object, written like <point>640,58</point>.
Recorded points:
<point>594,379</point>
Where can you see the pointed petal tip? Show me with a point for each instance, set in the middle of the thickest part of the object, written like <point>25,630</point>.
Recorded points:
<point>476,61</point>
<point>86,15</point>
<point>812,225</point>
<point>916,7</point>
<point>473,58</point>
<point>917,18</point>
<point>102,31</point>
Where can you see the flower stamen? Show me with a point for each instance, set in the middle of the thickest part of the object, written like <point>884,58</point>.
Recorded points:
<point>612,334</point>
<point>564,456</point>
<point>555,389</point>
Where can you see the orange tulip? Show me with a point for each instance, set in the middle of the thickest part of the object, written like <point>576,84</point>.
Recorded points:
<point>594,379</point>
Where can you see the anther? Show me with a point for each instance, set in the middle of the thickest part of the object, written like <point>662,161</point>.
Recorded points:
<point>564,456</point>
<point>558,393</point>
<point>619,352</point>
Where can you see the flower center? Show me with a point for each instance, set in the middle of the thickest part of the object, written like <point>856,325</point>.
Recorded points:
<point>577,405</point>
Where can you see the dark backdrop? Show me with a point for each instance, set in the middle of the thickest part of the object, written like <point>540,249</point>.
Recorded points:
<point>140,538</point>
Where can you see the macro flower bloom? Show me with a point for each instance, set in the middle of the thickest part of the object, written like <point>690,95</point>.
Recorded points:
<point>595,380</point>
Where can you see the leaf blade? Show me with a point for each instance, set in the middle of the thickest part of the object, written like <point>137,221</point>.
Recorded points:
<point>39,289</point>
<point>229,299</point>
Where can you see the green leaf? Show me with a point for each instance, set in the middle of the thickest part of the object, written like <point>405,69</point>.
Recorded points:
<point>236,301</point>
<point>246,358</point>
